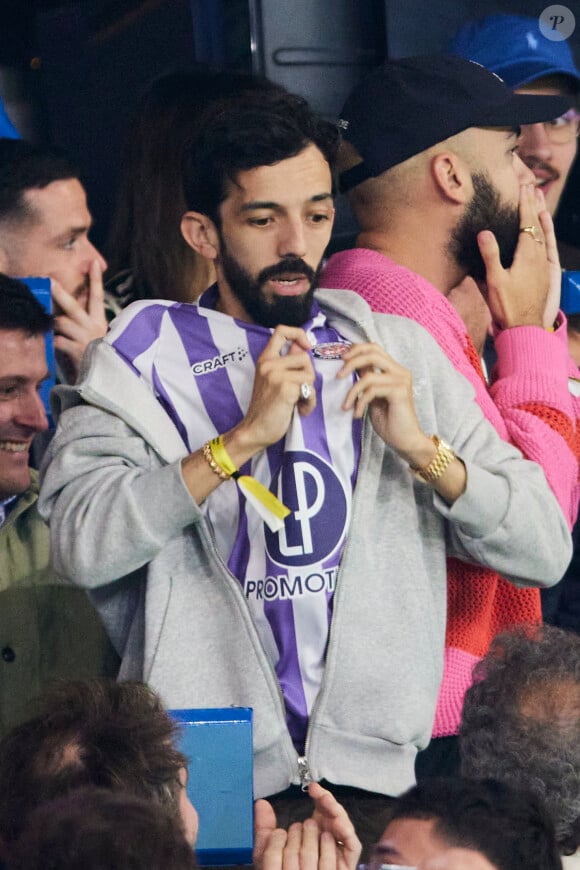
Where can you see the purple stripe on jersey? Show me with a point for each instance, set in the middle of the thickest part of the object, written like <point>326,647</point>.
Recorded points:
<point>258,338</point>
<point>217,393</point>
<point>240,555</point>
<point>313,426</point>
<point>142,331</point>
<point>357,444</point>
<point>257,341</point>
<point>281,619</point>
<point>165,400</point>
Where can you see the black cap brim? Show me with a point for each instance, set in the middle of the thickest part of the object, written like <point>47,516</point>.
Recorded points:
<point>523,109</point>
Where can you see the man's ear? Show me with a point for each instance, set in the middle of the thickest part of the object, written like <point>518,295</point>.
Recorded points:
<point>201,234</point>
<point>451,176</point>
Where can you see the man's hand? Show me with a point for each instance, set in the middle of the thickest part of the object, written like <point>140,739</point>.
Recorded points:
<point>386,389</point>
<point>302,847</point>
<point>277,385</point>
<point>74,326</point>
<point>518,296</point>
<point>326,841</point>
<point>331,816</point>
<point>554,293</point>
<point>264,825</point>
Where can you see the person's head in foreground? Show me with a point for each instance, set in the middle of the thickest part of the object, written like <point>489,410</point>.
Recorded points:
<point>93,732</point>
<point>99,829</point>
<point>509,828</point>
<point>431,141</point>
<point>521,722</point>
<point>259,189</point>
<point>515,48</point>
<point>23,325</point>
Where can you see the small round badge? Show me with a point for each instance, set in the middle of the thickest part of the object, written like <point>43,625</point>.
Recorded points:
<point>331,349</point>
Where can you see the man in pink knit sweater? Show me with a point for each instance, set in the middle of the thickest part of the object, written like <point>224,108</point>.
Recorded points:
<point>440,194</point>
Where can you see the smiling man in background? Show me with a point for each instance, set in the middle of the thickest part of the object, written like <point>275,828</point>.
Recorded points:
<point>48,630</point>
<point>513,47</point>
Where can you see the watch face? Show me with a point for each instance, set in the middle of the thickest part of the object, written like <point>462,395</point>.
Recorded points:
<point>445,454</point>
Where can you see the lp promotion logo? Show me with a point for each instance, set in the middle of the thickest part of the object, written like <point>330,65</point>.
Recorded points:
<point>557,23</point>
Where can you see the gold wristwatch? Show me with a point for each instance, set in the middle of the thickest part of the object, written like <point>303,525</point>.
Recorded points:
<point>445,454</point>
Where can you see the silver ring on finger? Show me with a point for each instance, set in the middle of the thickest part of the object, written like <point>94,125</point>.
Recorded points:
<point>305,391</point>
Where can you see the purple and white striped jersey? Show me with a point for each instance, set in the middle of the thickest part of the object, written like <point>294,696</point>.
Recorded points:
<point>200,365</point>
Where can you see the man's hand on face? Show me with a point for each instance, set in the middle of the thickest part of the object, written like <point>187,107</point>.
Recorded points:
<point>523,295</point>
<point>277,384</point>
<point>75,327</point>
<point>555,289</point>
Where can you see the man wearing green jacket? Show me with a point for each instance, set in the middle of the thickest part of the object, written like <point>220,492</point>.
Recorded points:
<point>48,630</point>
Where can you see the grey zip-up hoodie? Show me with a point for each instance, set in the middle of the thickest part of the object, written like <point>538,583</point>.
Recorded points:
<point>124,526</point>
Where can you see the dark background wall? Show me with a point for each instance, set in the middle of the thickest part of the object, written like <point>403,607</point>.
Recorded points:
<point>72,72</point>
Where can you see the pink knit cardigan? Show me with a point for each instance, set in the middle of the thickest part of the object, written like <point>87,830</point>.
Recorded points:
<point>529,403</point>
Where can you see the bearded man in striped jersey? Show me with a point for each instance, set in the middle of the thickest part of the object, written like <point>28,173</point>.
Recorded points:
<point>260,489</point>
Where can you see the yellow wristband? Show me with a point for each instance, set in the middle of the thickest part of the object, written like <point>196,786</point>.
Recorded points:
<point>270,508</point>
<point>222,458</point>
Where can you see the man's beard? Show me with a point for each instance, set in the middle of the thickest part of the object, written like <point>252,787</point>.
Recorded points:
<point>485,212</point>
<point>289,310</point>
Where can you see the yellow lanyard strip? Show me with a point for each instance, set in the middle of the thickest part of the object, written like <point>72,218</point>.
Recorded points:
<point>271,509</point>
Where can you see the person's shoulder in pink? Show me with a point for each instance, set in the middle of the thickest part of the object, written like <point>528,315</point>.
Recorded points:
<point>429,164</point>
<point>390,288</point>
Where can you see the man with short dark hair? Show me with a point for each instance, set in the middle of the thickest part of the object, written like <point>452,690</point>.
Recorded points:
<point>430,165</point>
<point>521,722</point>
<point>508,827</point>
<point>48,630</point>
<point>263,529</point>
<point>44,231</point>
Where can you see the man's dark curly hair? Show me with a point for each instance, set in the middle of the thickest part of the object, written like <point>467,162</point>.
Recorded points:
<point>90,732</point>
<point>521,722</point>
<point>253,130</point>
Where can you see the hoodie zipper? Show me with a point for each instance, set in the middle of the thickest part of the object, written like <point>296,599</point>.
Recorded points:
<point>303,764</point>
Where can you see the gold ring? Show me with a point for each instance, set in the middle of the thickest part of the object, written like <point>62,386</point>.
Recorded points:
<point>534,232</point>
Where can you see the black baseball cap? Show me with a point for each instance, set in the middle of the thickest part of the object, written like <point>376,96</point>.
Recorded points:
<point>408,105</point>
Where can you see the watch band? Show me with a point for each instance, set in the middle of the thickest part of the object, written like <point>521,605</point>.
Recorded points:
<point>438,464</point>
